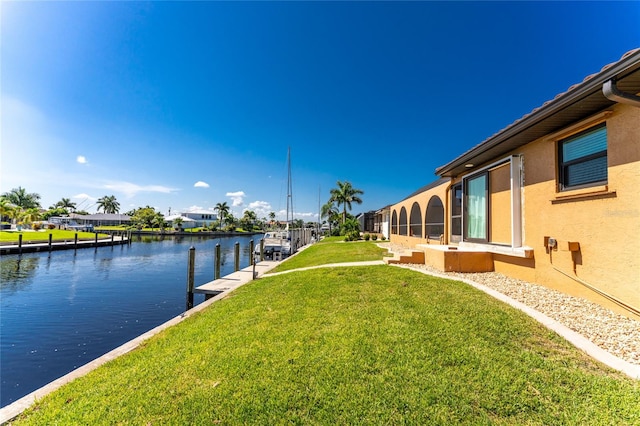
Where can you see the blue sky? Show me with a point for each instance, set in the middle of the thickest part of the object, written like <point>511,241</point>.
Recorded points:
<point>187,104</point>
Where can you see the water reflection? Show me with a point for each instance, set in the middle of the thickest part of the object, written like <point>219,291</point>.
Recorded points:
<point>65,308</point>
<point>16,272</point>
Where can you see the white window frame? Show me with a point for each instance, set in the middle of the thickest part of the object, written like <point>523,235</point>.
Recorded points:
<point>516,171</point>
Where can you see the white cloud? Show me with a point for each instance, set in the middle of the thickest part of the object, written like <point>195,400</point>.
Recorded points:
<point>306,216</point>
<point>237,198</point>
<point>131,189</point>
<point>84,196</point>
<point>81,159</point>
<point>261,208</point>
<point>201,184</point>
<point>264,205</point>
<point>198,209</point>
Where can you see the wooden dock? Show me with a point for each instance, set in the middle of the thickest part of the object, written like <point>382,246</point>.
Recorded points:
<point>35,247</point>
<point>234,280</point>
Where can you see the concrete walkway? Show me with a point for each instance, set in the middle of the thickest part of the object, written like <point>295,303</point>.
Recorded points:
<point>331,265</point>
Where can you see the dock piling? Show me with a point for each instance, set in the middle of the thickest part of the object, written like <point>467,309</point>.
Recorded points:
<point>236,257</point>
<point>190,276</point>
<point>217,262</point>
<point>262,250</point>
<point>20,244</point>
<point>251,257</point>
<point>75,242</point>
<point>50,241</point>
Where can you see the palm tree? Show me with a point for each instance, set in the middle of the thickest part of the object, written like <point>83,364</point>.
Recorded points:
<point>248,220</point>
<point>344,195</point>
<point>158,220</point>
<point>7,209</point>
<point>66,204</point>
<point>272,218</point>
<point>330,211</point>
<point>223,211</point>
<point>30,215</point>
<point>108,204</point>
<point>22,199</point>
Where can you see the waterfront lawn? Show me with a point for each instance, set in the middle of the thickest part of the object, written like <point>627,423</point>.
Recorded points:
<point>333,251</point>
<point>43,236</point>
<point>358,345</point>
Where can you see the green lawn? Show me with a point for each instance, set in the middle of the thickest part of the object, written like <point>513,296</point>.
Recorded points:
<point>358,345</point>
<point>40,236</point>
<point>333,250</point>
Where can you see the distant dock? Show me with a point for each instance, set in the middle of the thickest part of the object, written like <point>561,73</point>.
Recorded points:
<point>62,245</point>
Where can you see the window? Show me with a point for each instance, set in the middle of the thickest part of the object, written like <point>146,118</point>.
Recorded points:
<point>403,221</point>
<point>416,221</point>
<point>456,213</point>
<point>394,223</point>
<point>434,221</point>
<point>583,158</point>
<point>486,208</point>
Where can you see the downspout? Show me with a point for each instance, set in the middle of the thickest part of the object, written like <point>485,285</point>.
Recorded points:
<point>612,93</point>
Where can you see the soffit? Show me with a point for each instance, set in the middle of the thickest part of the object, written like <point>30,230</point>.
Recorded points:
<point>577,103</point>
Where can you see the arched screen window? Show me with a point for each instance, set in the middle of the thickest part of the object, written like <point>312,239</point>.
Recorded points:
<point>403,221</point>
<point>394,223</point>
<point>434,220</point>
<point>416,221</point>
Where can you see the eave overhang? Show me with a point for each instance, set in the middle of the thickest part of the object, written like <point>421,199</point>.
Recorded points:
<point>577,103</point>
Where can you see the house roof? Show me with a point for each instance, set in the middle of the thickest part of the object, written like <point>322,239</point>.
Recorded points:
<point>100,216</point>
<point>426,188</point>
<point>176,216</point>
<point>197,211</point>
<point>577,103</point>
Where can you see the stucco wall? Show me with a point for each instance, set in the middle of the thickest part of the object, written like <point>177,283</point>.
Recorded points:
<point>604,220</point>
<point>422,200</point>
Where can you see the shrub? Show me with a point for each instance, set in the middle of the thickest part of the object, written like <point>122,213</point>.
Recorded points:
<point>366,237</point>
<point>374,237</point>
<point>51,226</point>
<point>35,226</point>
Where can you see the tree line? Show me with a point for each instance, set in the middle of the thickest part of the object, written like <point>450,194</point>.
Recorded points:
<point>25,208</point>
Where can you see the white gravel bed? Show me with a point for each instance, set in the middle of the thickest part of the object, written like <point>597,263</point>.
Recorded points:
<point>612,332</point>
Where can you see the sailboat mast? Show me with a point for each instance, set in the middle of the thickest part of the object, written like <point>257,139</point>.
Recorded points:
<point>289,191</point>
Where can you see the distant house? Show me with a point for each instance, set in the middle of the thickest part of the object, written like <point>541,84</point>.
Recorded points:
<point>366,220</point>
<point>201,217</point>
<point>100,219</point>
<point>186,222</point>
<point>552,198</point>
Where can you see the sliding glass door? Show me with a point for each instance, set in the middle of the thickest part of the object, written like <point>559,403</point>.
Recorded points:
<point>475,208</point>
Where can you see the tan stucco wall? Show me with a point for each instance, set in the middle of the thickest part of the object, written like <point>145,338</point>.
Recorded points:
<point>606,225</point>
<point>500,205</point>
<point>604,220</point>
<point>422,199</point>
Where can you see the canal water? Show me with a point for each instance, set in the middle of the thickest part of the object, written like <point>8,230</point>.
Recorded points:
<point>63,309</point>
